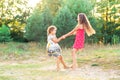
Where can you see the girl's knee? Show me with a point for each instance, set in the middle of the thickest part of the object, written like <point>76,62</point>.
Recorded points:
<point>74,50</point>
<point>60,57</point>
<point>73,54</point>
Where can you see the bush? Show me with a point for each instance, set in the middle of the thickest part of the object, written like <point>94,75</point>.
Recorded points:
<point>37,25</point>
<point>65,23</point>
<point>5,34</point>
<point>79,6</point>
<point>115,39</point>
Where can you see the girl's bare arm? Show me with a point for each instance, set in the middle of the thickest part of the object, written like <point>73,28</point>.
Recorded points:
<point>71,32</point>
<point>56,40</point>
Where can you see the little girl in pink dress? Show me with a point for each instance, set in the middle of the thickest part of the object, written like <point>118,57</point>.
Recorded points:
<point>82,27</point>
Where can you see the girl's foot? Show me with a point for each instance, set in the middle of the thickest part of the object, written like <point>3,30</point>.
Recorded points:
<point>74,66</point>
<point>58,69</point>
<point>66,67</point>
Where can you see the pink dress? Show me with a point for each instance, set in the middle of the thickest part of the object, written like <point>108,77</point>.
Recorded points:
<point>79,39</point>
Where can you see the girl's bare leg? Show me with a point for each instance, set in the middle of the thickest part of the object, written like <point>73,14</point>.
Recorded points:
<point>58,63</point>
<point>63,63</point>
<point>74,58</point>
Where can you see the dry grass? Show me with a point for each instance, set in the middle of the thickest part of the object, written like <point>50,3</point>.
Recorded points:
<point>29,61</point>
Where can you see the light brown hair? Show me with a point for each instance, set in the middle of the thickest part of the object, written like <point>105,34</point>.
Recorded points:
<point>82,19</point>
<point>50,29</point>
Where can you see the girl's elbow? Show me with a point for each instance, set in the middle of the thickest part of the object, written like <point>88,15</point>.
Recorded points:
<point>56,41</point>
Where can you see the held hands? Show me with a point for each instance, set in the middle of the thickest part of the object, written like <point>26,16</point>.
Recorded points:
<point>64,36</point>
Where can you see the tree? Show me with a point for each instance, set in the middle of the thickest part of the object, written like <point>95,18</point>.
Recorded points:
<point>41,18</point>
<point>5,34</point>
<point>53,5</point>
<point>64,22</point>
<point>37,25</point>
<point>79,6</point>
<point>14,14</point>
<point>110,19</point>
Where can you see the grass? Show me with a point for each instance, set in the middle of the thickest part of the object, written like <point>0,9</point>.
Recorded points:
<point>6,78</point>
<point>29,61</point>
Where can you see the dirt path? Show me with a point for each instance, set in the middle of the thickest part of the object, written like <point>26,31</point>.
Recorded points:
<point>85,72</point>
<point>88,72</point>
<point>95,73</point>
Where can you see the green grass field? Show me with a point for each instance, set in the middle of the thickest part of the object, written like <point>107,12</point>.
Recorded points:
<point>29,61</point>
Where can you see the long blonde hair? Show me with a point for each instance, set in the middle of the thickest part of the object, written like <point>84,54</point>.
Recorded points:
<point>87,26</point>
<point>50,29</point>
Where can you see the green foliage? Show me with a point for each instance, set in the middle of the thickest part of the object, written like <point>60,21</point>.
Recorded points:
<point>5,34</point>
<point>79,6</point>
<point>63,14</point>
<point>115,39</point>
<point>53,5</point>
<point>37,25</point>
<point>95,64</point>
<point>14,14</point>
<point>109,10</point>
<point>64,22</point>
